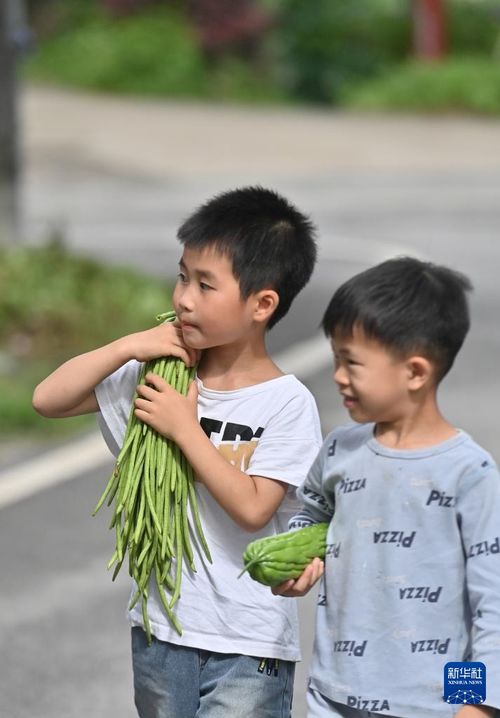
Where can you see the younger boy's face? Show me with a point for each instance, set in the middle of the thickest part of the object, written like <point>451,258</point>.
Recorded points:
<point>372,381</point>
<point>208,302</point>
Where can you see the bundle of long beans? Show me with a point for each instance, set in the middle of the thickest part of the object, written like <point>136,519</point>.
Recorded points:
<point>152,486</point>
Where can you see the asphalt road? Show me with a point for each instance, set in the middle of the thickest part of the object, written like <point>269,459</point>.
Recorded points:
<point>434,191</point>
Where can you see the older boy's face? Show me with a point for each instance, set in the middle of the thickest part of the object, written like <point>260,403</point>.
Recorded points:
<point>371,380</point>
<point>207,300</point>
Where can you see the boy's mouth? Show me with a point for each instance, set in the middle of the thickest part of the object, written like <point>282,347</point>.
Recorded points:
<point>349,401</point>
<point>187,326</point>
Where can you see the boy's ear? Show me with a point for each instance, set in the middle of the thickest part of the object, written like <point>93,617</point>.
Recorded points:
<point>420,371</point>
<point>266,303</point>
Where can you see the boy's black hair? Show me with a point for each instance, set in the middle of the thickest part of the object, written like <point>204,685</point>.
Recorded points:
<point>408,306</point>
<point>269,242</point>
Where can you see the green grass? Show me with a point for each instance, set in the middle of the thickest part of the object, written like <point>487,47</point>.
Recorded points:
<point>456,85</point>
<point>54,305</point>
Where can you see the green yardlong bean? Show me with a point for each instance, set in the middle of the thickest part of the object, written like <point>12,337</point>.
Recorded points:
<point>152,485</point>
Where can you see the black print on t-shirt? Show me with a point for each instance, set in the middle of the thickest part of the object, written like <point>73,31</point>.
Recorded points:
<point>232,431</point>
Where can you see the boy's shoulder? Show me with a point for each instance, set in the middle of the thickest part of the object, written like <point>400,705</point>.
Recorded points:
<point>462,450</point>
<point>471,445</point>
<point>286,386</point>
<point>283,401</point>
<point>349,436</point>
<point>475,462</point>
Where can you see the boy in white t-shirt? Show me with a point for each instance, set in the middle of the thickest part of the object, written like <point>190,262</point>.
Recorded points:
<point>249,431</point>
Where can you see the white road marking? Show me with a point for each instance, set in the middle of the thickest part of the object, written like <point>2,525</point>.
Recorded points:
<point>84,455</point>
<point>54,467</point>
<point>304,359</point>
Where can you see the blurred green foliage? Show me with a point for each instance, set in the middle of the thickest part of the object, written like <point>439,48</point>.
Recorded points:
<point>54,305</point>
<point>152,53</point>
<point>328,44</point>
<point>458,84</point>
<point>473,26</point>
<point>316,51</point>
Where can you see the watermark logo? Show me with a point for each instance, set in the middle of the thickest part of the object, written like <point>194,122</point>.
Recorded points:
<point>464,683</point>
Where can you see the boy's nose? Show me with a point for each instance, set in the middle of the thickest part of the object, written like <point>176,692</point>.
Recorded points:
<point>340,376</point>
<point>184,299</point>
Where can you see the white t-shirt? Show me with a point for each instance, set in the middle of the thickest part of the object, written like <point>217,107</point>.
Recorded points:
<point>270,429</point>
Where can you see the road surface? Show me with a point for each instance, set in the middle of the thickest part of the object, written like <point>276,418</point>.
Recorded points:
<point>117,177</point>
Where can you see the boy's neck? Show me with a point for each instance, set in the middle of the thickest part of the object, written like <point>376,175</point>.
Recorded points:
<point>230,367</point>
<point>424,427</point>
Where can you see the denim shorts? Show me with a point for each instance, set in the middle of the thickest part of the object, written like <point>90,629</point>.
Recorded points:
<point>179,682</point>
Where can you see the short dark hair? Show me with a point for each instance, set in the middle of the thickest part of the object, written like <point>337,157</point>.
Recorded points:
<point>408,306</point>
<point>269,242</point>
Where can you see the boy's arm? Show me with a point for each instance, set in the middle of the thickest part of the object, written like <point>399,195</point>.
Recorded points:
<point>250,500</point>
<point>478,516</point>
<point>69,390</point>
<point>315,508</point>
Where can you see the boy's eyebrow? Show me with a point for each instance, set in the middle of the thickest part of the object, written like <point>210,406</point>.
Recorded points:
<point>200,272</point>
<point>340,350</point>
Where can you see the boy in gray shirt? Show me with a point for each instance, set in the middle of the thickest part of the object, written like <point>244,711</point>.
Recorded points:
<point>411,577</point>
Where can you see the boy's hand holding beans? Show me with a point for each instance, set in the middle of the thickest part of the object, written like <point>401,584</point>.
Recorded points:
<point>162,407</point>
<point>163,340</point>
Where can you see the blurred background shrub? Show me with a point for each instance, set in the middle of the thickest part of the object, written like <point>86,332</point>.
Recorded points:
<point>329,44</point>
<point>320,51</point>
<point>464,84</point>
<point>54,305</point>
<point>167,49</point>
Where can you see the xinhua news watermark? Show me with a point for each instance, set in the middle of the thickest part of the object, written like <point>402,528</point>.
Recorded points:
<point>465,683</point>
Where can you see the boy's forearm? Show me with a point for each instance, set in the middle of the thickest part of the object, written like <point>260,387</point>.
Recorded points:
<point>69,390</point>
<point>251,501</point>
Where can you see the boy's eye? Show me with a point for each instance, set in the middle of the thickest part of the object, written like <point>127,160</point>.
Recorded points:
<point>204,286</point>
<point>181,277</point>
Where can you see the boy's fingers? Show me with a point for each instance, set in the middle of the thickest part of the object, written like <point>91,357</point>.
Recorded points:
<point>282,588</point>
<point>304,583</point>
<point>156,381</point>
<point>317,568</point>
<point>306,580</point>
<point>184,353</point>
<point>192,354</point>
<point>145,392</point>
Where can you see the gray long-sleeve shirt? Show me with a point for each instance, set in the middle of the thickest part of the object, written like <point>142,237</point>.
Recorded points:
<point>412,571</point>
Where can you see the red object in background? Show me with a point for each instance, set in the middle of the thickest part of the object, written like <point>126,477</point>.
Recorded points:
<point>221,25</point>
<point>224,24</point>
<point>429,29</point>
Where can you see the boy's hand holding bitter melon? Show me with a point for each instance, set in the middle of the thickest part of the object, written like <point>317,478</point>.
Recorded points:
<point>294,588</point>
<point>290,563</point>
